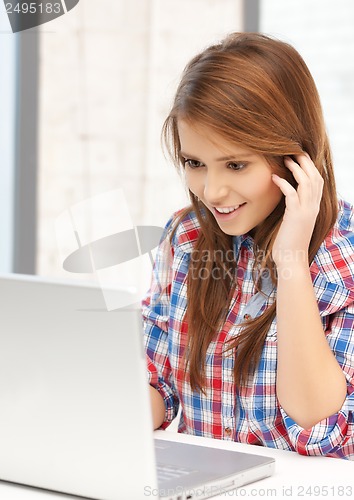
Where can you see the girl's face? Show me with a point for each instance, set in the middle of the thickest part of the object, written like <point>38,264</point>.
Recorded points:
<point>234,183</point>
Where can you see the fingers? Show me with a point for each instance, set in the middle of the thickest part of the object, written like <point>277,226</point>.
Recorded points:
<point>285,186</point>
<point>308,178</point>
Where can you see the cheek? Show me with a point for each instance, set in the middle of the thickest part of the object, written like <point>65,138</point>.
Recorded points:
<point>264,189</point>
<point>274,195</point>
<point>192,182</point>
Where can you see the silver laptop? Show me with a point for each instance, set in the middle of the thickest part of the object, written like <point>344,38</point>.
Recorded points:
<point>74,407</point>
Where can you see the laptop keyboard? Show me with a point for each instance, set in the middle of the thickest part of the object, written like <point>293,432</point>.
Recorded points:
<point>166,472</point>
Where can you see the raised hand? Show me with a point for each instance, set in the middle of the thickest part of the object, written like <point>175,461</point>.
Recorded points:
<point>302,207</point>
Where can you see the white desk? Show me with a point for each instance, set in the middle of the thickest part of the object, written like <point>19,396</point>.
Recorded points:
<point>295,476</point>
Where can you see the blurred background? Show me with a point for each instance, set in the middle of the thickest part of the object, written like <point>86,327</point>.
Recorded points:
<point>83,99</point>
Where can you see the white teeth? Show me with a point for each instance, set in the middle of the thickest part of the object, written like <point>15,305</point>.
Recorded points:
<point>226,210</point>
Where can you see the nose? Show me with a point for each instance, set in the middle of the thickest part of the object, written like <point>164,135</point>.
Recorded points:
<point>215,188</point>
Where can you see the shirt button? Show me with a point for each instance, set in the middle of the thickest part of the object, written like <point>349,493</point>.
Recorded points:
<point>246,316</point>
<point>228,431</point>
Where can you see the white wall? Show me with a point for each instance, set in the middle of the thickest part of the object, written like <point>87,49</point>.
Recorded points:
<point>323,32</point>
<point>108,73</point>
<point>7,139</point>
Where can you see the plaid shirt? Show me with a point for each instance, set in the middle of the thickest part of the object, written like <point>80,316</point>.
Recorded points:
<point>249,414</point>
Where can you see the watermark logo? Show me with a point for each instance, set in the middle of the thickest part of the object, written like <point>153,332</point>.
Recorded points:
<point>24,15</point>
<point>97,236</point>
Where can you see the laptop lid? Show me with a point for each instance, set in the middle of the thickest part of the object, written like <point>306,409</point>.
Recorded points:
<point>69,390</point>
<point>75,412</point>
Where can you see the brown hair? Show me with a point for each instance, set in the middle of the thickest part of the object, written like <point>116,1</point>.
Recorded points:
<point>255,91</point>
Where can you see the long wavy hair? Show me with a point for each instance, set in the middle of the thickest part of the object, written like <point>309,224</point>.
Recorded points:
<point>255,91</point>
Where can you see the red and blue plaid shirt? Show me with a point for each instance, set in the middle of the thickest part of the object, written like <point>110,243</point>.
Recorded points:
<point>249,414</point>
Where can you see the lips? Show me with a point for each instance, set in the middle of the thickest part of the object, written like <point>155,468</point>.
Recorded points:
<point>226,213</point>
<point>226,210</point>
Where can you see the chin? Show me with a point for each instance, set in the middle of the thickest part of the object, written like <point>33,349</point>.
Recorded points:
<point>231,232</point>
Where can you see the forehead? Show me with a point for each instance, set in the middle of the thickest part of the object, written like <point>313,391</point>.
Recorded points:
<point>195,138</point>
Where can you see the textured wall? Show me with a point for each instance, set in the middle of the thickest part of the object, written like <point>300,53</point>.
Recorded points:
<point>323,32</point>
<point>108,72</point>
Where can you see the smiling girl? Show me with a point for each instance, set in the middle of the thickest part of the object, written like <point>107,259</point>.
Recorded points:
<point>249,321</point>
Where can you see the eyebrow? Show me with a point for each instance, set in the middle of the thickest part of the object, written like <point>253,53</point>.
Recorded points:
<point>223,158</point>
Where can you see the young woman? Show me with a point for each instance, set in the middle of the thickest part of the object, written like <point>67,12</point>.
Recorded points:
<point>249,322</point>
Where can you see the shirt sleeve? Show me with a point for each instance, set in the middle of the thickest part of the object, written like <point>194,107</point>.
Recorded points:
<point>155,310</point>
<point>335,434</point>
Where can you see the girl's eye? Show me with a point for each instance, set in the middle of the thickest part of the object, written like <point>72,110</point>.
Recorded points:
<point>237,166</point>
<point>192,163</point>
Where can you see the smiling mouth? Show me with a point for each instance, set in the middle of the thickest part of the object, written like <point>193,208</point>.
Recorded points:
<point>227,210</point>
